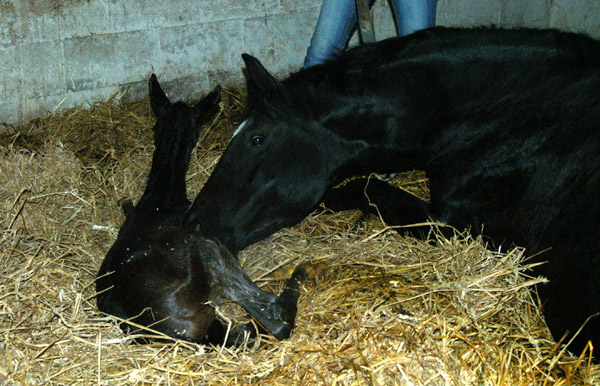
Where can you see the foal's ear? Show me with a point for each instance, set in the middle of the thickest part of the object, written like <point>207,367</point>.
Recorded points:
<point>158,98</point>
<point>209,104</point>
<point>213,98</point>
<point>259,79</point>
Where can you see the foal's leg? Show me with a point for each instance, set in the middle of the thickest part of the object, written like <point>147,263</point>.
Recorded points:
<point>262,309</point>
<point>276,314</point>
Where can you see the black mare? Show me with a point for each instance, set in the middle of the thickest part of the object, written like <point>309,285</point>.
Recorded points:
<point>160,275</point>
<point>506,124</point>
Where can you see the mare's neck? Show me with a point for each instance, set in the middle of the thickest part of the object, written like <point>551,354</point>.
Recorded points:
<point>388,104</point>
<point>375,132</point>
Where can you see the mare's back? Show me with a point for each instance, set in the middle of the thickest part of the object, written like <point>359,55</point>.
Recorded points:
<point>462,46</point>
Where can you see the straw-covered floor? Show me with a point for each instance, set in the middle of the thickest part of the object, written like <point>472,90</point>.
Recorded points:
<point>387,309</point>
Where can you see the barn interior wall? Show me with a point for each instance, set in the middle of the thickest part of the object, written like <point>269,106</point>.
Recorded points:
<point>61,53</point>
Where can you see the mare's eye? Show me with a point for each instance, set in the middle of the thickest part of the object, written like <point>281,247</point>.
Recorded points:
<point>257,140</point>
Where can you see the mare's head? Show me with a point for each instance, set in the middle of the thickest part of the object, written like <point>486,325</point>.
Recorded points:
<point>274,171</point>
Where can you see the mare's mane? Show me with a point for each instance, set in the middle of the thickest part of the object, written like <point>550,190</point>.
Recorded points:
<point>442,41</point>
<point>365,67</point>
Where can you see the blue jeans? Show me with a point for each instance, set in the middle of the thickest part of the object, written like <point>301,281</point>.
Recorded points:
<point>338,18</point>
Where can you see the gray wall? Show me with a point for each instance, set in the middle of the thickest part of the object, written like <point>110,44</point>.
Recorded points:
<point>56,54</point>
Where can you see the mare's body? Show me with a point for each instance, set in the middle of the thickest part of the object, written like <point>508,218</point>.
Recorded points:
<point>505,123</point>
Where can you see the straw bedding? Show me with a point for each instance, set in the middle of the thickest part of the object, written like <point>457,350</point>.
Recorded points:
<point>385,308</point>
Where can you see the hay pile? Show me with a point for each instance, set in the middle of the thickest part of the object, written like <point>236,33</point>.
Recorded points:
<point>387,310</point>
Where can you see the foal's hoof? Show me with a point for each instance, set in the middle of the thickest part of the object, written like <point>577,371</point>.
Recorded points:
<point>126,205</point>
<point>308,271</point>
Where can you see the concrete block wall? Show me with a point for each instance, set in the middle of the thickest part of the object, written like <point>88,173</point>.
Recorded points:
<point>62,53</point>
<point>67,52</point>
<point>569,15</point>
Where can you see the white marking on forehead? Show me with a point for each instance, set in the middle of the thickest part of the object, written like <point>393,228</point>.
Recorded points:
<point>240,127</point>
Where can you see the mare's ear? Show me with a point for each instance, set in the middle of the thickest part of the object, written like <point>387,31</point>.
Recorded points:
<point>259,79</point>
<point>158,98</point>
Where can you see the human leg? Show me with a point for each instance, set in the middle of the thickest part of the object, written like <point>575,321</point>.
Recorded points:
<point>414,15</point>
<point>336,20</point>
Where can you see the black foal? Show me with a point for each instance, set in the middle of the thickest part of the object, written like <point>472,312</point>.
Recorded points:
<point>162,276</point>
